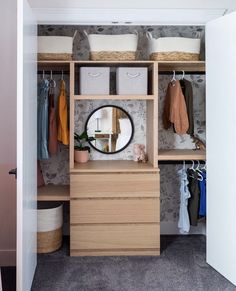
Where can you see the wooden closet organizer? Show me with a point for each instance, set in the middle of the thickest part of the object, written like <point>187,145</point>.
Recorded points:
<point>115,205</point>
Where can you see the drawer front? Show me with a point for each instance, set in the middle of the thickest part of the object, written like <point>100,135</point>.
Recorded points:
<point>115,185</point>
<point>116,237</point>
<point>136,210</point>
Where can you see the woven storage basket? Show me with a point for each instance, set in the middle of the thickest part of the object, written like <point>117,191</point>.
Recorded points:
<point>49,236</point>
<point>173,48</point>
<point>55,48</point>
<point>121,47</point>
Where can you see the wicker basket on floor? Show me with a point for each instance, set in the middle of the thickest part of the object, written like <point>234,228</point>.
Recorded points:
<point>50,220</point>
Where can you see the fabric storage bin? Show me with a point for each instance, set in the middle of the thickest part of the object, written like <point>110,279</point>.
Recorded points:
<point>173,48</point>
<point>131,81</point>
<point>55,47</point>
<point>94,81</point>
<point>120,47</point>
<point>50,222</point>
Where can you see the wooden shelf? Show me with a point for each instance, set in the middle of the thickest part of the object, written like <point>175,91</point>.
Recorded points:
<point>187,66</point>
<point>59,65</point>
<point>112,166</point>
<point>115,63</point>
<point>54,193</point>
<point>179,155</point>
<point>114,97</point>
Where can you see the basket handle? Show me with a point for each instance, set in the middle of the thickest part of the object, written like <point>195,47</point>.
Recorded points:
<point>85,32</point>
<point>133,75</point>
<point>95,75</point>
<point>149,35</point>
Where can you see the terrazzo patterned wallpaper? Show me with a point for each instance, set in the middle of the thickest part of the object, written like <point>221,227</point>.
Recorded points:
<point>56,169</point>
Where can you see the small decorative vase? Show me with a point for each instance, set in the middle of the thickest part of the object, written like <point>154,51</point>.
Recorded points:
<point>81,156</point>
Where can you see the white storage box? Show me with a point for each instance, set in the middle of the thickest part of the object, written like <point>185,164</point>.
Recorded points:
<point>173,48</point>
<point>94,81</point>
<point>55,47</point>
<point>112,47</point>
<point>131,81</point>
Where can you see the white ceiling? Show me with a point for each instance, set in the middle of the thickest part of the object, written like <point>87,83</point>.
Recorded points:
<point>178,12</point>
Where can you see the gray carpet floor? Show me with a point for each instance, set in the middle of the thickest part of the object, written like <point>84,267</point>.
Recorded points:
<point>181,266</point>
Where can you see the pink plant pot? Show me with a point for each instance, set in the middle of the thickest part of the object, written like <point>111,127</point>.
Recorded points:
<point>81,156</point>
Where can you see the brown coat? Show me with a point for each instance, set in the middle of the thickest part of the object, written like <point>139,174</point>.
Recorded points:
<point>175,111</point>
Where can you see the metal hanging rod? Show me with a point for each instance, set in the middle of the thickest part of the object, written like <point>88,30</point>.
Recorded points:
<point>187,162</point>
<point>181,73</point>
<point>48,72</point>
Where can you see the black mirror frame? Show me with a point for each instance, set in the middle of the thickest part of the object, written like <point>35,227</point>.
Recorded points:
<point>132,127</point>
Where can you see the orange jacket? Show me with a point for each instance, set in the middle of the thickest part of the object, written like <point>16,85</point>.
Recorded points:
<point>175,111</point>
<point>63,132</point>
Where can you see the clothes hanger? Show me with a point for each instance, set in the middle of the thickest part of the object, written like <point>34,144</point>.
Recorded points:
<point>173,80</point>
<point>204,167</point>
<point>199,172</point>
<point>192,168</point>
<point>62,75</point>
<point>52,81</point>
<point>198,167</point>
<point>43,75</point>
<point>183,75</point>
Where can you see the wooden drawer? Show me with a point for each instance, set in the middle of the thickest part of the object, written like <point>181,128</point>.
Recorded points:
<point>136,210</point>
<point>115,237</point>
<point>115,185</point>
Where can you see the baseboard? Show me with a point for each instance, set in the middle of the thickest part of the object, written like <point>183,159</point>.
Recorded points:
<point>171,228</point>
<point>7,258</point>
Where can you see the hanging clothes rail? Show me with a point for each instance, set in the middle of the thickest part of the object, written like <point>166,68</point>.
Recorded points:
<point>48,72</point>
<point>181,73</point>
<point>202,162</point>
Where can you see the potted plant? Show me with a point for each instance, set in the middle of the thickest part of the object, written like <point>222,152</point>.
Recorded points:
<point>81,151</point>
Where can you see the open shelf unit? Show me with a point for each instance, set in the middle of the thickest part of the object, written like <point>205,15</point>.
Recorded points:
<point>193,67</point>
<point>52,192</point>
<point>151,102</point>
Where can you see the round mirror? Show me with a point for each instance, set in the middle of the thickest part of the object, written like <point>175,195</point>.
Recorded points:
<point>112,128</point>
